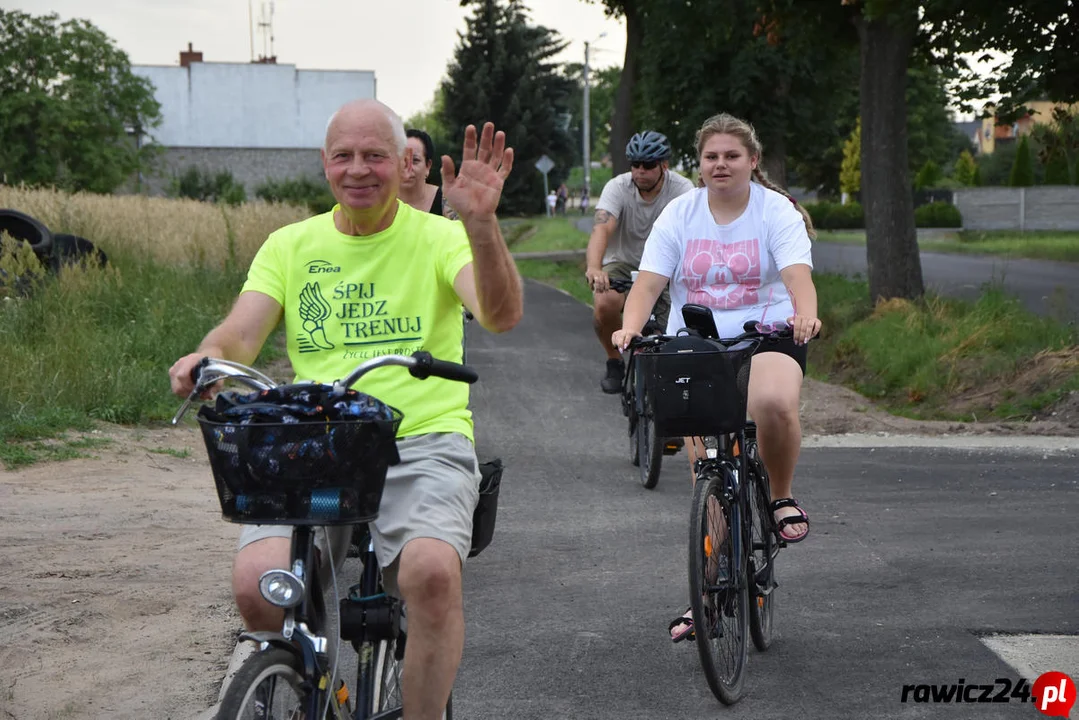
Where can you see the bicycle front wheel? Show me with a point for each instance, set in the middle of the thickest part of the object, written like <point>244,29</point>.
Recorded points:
<point>649,447</point>
<point>762,558</point>
<point>269,684</point>
<point>387,663</point>
<point>718,593</point>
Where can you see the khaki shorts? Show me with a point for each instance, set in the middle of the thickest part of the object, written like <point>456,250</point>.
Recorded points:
<point>431,493</point>
<point>622,270</point>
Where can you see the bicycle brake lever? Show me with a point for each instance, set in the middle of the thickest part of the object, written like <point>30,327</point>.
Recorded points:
<point>183,408</point>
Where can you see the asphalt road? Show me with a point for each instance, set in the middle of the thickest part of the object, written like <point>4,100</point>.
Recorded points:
<point>1044,287</point>
<point>914,554</point>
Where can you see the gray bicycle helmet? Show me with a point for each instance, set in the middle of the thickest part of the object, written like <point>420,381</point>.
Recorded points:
<point>648,146</point>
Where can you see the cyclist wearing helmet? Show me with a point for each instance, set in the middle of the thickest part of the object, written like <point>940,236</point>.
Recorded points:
<point>630,203</point>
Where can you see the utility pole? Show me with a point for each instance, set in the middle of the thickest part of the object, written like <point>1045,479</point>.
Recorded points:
<point>586,135</point>
<point>586,139</point>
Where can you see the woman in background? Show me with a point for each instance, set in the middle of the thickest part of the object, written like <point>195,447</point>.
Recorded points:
<point>415,190</point>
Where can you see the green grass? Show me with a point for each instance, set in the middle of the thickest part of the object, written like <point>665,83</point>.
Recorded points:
<point>171,452</point>
<point>944,359</point>
<point>567,276</point>
<point>1058,246</point>
<point>52,445</point>
<point>550,234</point>
<point>96,344</point>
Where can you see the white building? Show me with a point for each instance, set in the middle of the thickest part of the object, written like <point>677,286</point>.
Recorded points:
<point>258,120</point>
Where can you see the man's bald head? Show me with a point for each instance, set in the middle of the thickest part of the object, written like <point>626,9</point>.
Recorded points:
<point>362,110</point>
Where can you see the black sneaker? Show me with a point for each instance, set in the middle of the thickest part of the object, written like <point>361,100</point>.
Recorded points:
<point>612,383</point>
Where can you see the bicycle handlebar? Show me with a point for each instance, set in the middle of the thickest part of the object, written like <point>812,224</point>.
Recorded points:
<point>421,365</point>
<point>751,333</point>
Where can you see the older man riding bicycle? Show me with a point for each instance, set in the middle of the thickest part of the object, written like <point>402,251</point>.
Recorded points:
<point>374,276</point>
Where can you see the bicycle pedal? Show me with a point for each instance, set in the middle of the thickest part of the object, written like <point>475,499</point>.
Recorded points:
<point>671,449</point>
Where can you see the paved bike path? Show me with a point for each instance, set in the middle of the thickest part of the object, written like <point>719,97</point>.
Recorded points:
<point>913,553</point>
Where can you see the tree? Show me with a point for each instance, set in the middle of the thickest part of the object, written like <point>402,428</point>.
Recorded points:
<point>1022,174</point>
<point>622,121</point>
<point>763,62</point>
<point>1039,39</point>
<point>931,131</point>
<point>503,71</point>
<point>71,110</point>
<point>965,168</point>
<point>850,173</point>
<point>1059,146</point>
<point>929,176</point>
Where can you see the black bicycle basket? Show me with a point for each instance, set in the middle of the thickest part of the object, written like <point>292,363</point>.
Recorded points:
<point>298,455</point>
<point>696,386</point>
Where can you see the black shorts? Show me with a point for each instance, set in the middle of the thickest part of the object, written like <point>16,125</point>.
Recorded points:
<point>787,347</point>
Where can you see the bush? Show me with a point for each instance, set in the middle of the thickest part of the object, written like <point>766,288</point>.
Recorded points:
<point>819,212</point>
<point>938,215</point>
<point>303,191</point>
<point>847,217</point>
<point>965,167</point>
<point>198,184</point>
<point>1022,174</point>
<point>1057,170</point>
<point>928,176</point>
<point>834,216</point>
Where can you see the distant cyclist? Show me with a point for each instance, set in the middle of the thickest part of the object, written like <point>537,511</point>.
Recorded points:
<point>628,206</point>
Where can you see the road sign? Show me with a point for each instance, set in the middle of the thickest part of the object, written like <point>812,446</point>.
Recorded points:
<point>544,165</point>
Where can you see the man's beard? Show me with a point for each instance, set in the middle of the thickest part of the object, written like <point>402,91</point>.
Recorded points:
<point>651,187</point>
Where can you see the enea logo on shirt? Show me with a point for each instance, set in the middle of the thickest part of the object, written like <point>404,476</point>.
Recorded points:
<point>316,267</point>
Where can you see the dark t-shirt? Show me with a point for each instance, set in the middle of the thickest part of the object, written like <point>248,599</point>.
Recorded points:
<point>436,204</point>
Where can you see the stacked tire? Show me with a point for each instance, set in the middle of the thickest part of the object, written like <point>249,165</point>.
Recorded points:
<point>29,230</point>
<point>53,250</point>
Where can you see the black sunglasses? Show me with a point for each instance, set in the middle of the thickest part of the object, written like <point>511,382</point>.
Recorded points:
<point>650,165</point>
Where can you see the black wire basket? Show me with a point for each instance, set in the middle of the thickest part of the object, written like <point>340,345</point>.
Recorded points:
<point>300,472</point>
<point>696,387</point>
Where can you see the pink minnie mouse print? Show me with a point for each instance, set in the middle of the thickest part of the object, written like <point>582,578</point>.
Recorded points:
<point>720,275</point>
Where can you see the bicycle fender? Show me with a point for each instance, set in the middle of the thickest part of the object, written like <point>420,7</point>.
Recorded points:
<point>300,646</point>
<point>274,639</point>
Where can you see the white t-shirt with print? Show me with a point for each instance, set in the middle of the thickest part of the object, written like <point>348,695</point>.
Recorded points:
<point>732,269</point>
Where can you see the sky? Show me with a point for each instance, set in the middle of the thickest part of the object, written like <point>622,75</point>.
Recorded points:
<point>408,43</point>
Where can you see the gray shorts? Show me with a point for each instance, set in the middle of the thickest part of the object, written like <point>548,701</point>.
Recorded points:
<point>431,493</point>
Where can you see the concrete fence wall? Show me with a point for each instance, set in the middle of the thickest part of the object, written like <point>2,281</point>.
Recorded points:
<point>1048,207</point>
<point>249,166</point>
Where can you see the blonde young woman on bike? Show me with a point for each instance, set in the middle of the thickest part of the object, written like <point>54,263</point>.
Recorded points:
<point>740,246</point>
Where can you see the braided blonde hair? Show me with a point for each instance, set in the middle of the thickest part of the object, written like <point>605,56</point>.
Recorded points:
<point>724,124</point>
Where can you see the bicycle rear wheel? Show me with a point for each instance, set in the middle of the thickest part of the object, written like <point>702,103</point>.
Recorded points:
<point>649,447</point>
<point>718,594</point>
<point>270,684</point>
<point>762,558</point>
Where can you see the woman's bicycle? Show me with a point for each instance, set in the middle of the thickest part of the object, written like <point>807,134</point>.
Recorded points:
<point>311,455</point>
<point>699,385</point>
<point>646,447</point>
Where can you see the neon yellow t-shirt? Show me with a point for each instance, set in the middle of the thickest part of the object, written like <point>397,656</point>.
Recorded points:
<point>348,299</point>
